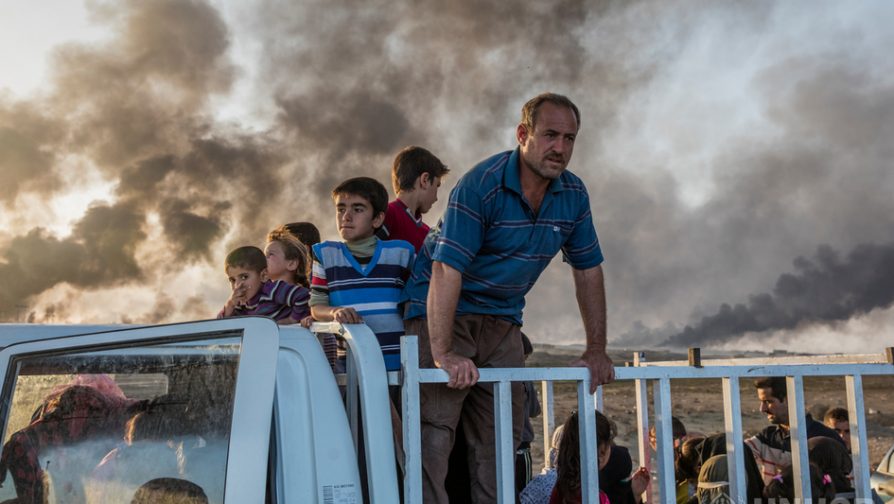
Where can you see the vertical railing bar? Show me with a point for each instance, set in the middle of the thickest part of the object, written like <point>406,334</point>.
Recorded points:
<point>735,456</point>
<point>352,398</point>
<point>642,420</point>
<point>589,461</point>
<point>856,416</point>
<point>664,432</point>
<point>797,417</point>
<point>597,396</point>
<point>504,449</point>
<point>549,419</point>
<point>412,427</point>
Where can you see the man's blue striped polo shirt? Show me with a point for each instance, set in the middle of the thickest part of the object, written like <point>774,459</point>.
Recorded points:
<point>491,235</point>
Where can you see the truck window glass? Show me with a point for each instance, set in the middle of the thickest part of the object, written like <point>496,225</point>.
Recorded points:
<point>119,424</point>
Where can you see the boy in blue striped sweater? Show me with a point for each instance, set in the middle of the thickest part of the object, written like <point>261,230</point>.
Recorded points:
<point>360,280</point>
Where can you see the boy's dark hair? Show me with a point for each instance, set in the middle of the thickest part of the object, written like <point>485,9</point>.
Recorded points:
<point>305,231</point>
<point>248,257</point>
<point>837,414</point>
<point>568,459</point>
<point>774,383</point>
<point>293,250</point>
<point>410,163</point>
<point>367,188</point>
<point>530,109</point>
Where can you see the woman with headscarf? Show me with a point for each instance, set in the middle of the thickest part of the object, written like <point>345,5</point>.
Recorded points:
<point>713,481</point>
<point>695,453</point>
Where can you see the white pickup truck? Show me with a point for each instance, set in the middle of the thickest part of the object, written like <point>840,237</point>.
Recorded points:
<point>245,410</point>
<point>238,410</point>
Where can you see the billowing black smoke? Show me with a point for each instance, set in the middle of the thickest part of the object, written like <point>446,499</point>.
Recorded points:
<point>824,290</point>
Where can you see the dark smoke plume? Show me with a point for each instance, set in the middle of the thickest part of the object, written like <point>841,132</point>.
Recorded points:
<point>137,109</point>
<point>791,142</point>
<point>824,290</point>
<point>99,252</point>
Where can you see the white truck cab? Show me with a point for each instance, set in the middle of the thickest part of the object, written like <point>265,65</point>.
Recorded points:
<point>241,409</point>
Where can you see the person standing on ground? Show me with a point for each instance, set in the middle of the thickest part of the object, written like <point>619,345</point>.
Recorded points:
<point>505,221</point>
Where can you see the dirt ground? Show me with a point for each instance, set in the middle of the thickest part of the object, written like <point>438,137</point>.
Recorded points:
<point>699,404</point>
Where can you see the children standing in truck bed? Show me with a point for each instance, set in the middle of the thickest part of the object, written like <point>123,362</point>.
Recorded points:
<point>415,176</point>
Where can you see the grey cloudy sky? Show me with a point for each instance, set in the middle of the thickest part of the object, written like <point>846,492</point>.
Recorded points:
<point>738,155</point>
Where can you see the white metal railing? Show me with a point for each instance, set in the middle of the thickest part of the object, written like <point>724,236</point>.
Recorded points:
<point>502,379</point>
<point>794,369</point>
<point>730,371</point>
<point>363,376</point>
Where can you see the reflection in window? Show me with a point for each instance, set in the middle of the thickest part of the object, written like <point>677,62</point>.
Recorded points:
<point>96,426</point>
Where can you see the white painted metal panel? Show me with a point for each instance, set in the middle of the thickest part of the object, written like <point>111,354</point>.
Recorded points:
<point>409,355</point>
<point>859,447</point>
<point>548,416</point>
<point>664,431</point>
<point>249,438</point>
<point>316,459</point>
<point>505,449</point>
<point>372,383</point>
<point>732,422</point>
<point>798,429</point>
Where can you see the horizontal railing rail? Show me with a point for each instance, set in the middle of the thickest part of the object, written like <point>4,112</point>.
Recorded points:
<point>414,377</point>
<point>643,374</point>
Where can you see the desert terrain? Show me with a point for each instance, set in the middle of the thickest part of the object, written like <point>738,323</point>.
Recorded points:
<point>699,403</point>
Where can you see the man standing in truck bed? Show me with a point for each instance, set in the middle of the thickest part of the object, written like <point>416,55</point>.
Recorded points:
<point>505,221</point>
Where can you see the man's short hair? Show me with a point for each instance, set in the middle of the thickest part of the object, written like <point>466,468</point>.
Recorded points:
<point>774,383</point>
<point>248,257</point>
<point>410,163</point>
<point>836,414</point>
<point>532,107</point>
<point>367,188</point>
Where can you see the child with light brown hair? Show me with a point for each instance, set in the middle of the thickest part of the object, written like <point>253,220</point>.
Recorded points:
<point>286,257</point>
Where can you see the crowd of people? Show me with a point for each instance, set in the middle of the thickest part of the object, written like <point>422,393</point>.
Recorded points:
<point>701,466</point>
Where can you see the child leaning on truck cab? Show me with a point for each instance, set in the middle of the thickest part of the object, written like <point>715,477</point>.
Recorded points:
<point>254,294</point>
<point>288,259</point>
<point>361,279</point>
